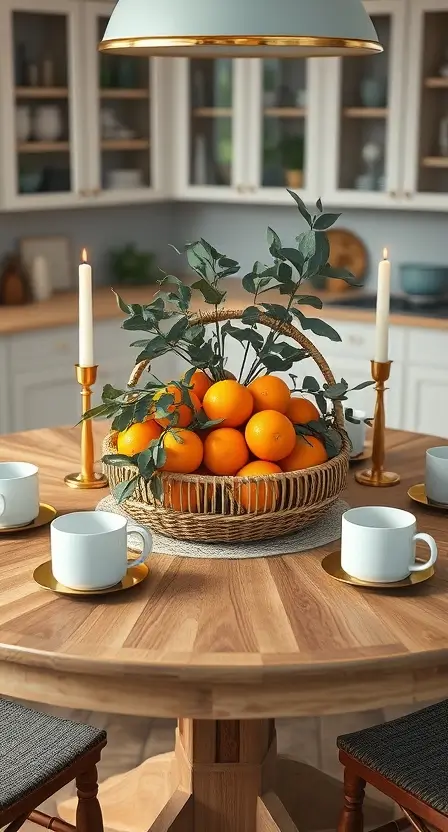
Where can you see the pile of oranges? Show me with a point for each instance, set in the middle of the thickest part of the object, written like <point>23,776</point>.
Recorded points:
<point>255,436</point>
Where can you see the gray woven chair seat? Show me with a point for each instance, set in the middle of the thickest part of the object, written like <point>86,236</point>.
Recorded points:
<point>411,752</point>
<point>35,747</point>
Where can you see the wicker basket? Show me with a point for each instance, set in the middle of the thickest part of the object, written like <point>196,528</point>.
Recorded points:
<point>211,508</point>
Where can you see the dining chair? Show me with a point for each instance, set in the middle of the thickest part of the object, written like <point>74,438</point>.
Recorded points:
<point>39,754</point>
<point>405,759</point>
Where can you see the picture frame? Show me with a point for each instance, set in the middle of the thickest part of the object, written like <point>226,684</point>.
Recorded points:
<point>57,252</point>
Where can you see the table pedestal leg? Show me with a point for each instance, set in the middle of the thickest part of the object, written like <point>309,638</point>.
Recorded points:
<point>224,776</point>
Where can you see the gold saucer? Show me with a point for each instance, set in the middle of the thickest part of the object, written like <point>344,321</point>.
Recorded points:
<point>418,494</point>
<point>332,566</point>
<point>365,454</point>
<point>44,577</point>
<point>46,514</point>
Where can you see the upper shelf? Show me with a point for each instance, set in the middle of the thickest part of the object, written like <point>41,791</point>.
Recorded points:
<point>436,83</point>
<point>366,112</point>
<point>285,112</point>
<point>128,94</point>
<point>213,112</point>
<point>41,92</point>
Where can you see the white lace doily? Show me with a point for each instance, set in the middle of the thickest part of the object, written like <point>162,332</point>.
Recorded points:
<point>325,530</point>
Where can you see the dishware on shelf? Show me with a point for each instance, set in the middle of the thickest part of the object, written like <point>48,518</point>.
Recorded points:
<point>23,123</point>
<point>46,580</point>
<point>122,179</point>
<point>40,279</point>
<point>89,549</point>
<point>376,475</point>
<point>48,73</point>
<point>47,513</point>
<point>356,433</point>
<point>269,98</point>
<point>372,92</point>
<point>331,564</point>
<point>365,182</point>
<point>417,493</point>
<point>127,72</point>
<point>420,280</point>
<point>30,182</point>
<point>443,70</point>
<point>19,494</point>
<point>436,475</point>
<point>32,75</point>
<point>47,123</point>
<point>200,160</point>
<point>378,544</point>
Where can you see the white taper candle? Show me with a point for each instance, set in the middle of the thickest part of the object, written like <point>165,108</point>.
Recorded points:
<point>382,310</point>
<point>85,313</point>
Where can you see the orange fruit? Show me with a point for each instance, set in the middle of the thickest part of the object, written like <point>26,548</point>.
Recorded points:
<point>262,496</point>
<point>308,452</point>
<point>270,435</point>
<point>137,437</point>
<point>301,411</point>
<point>199,384</point>
<point>184,451</point>
<point>270,393</point>
<point>225,451</point>
<point>230,401</point>
<point>180,496</point>
<point>184,413</point>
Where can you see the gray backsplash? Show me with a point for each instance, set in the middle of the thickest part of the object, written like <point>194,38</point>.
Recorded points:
<point>239,231</point>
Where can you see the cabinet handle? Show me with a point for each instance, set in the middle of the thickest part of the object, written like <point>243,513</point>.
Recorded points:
<point>408,194</point>
<point>96,191</point>
<point>393,194</point>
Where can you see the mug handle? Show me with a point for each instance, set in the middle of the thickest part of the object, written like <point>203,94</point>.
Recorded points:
<point>420,567</point>
<point>146,538</point>
<point>2,505</point>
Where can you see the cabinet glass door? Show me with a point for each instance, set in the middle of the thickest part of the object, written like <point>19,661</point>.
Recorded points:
<point>39,155</point>
<point>366,105</point>
<point>426,176</point>
<point>284,121</point>
<point>123,161</point>
<point>210,91</point>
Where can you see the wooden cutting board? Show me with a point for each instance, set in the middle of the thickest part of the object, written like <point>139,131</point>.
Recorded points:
<point>347,251</point>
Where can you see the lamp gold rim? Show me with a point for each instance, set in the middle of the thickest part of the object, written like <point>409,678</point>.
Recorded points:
<point>240,41</point>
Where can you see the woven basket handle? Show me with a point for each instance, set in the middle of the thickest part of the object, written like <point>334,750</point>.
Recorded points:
<point>279,326</point>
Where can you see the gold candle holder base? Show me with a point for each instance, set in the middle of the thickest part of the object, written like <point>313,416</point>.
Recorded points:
<point>376,475</point>
<point>86,478</point>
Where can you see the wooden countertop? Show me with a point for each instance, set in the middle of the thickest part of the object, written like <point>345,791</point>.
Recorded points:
<point>220,639</point>
<point>62,309</point>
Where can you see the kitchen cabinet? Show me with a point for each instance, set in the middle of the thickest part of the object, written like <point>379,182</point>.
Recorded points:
<point>363,104</point>
<point>426,401</point>
<point>78,128</point>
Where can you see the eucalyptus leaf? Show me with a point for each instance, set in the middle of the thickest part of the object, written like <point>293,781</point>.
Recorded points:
<point>321,403</point>
<point>363,385</point>
<point>104,411</point>
<point>159,455</point>
<point>124,419</point>
<point>284,272</point>
<point>243,335</point>
<point>117,460</point>
<point>308,300</point>
<point>210,293</point>
<point>301,206</point>
<point>248,283</point>
<point>274,243</point>
<point>135,324</point>
<point>146,462</point>
<point>110,393</point>
<point>320,256</point>
<point>156,486</point>
<point>197,331</point>
<point>124,490</point>
<point>319,206</point>
<point>250,315</point>
<point>341,274</point>
<point>276,311</point>
<point>335,391</point>
<point>294,256</point>
<point>178,330</point>
<point>325,221</point>
<point>310,384</point>
<point>317,326</point>
<point>122,304</point>
<point>141,408</point>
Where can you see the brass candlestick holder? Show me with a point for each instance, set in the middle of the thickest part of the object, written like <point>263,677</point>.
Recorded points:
<point>86,478</point>
<point>376,475</point>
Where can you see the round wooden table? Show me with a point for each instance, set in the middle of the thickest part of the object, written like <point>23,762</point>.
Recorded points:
<point>225,646</point>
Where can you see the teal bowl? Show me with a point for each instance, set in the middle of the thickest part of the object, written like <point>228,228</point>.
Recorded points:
<point>419,279</point>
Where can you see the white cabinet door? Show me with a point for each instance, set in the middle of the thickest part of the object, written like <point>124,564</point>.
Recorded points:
<point>426,127</point>
<point>122,118</point>
<point>5,398</point>
<point>426,404</point>
<point>41,95</point>
<point>45,398</point>
<point>211,135</point>
<point>362,118</point>
<point>284,134</point>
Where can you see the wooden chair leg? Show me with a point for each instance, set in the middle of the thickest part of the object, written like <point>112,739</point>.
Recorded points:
<point>351,818</point>
<point>88,812</point>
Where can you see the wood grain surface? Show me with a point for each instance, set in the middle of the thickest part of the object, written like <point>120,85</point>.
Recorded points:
<point>220,639</point>
<point>62,309</point>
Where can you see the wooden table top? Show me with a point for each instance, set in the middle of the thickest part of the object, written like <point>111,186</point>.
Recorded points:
<point>219,638</point>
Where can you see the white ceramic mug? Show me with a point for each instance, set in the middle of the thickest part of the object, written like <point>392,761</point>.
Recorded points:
<point>89,549</point>
<point>378,544</point>
<point>436,478</point>
<point>19,494</point>
<point>356,433</point>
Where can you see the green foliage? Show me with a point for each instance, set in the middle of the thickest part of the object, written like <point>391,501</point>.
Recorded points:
<point>167,325</point>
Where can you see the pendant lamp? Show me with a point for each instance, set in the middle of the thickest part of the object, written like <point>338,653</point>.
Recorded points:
<point>240,28</point>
